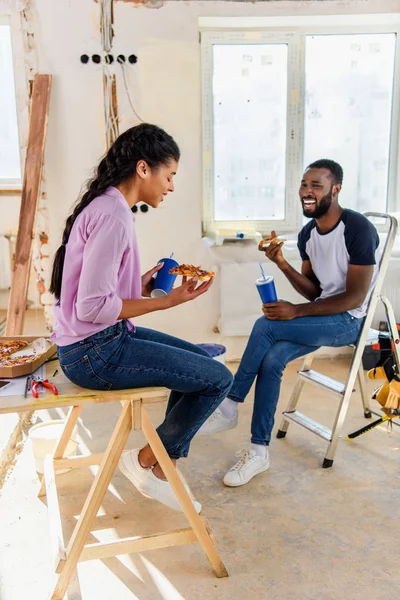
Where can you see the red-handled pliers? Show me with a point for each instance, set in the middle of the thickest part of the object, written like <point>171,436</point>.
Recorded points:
<point>45,383</point>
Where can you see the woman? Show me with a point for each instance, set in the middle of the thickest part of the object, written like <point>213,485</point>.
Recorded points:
<point>97,285</point>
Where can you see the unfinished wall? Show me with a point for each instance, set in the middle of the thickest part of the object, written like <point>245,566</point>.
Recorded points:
<point>18,15</point>
<point>165,86</point>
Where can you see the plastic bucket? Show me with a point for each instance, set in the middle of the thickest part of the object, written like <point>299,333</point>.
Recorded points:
<point>216,351</point>
<point>44,437</point>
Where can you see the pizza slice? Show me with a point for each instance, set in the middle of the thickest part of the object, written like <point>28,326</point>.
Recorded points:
<point>17,352</point>
<point>270,240</point>
<point>192,271</point>
<point>9,347</point>
<point>18,360</point>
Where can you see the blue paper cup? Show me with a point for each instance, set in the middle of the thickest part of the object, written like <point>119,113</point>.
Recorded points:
<point>163,280</point>
<point>266,289</point>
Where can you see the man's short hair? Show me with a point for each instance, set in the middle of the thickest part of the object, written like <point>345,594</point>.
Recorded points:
<point>332,166</point>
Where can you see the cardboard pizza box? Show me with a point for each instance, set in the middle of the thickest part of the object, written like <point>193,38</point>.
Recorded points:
<point>41,344</point>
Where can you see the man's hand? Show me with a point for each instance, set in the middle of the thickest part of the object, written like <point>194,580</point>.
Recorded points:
<point>274,252</point>
<point>187,291</point>
<point>280,311</point>
<point>147,284</point>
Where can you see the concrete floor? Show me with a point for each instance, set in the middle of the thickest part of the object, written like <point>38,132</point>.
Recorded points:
<point>297,532</point>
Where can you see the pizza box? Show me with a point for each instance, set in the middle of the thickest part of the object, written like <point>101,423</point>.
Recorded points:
<point>37,344</point>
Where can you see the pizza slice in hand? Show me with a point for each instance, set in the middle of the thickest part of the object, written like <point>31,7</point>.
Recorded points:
<point>270,240</point>
<point>192,271</point>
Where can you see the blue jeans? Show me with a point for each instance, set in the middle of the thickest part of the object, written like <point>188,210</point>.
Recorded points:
<point>272,344</point>
<point>117,359</point>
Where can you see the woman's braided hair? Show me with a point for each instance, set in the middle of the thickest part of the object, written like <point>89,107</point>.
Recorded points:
<point>142,142</point>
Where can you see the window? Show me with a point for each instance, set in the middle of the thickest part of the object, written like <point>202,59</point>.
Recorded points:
<point>10,168</point>
<point>274,101</point>
<point>348,107</point>
<point>249,107</point>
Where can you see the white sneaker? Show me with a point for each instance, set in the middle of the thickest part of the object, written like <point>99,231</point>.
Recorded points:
<point>249,465</point>
<point>148,484</point>
<point>218,422</point>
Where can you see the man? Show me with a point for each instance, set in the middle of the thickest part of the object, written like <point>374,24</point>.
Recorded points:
<point>338,273</point>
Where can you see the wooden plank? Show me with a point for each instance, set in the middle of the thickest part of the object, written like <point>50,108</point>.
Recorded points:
<point>77,462</point>
<point>114,105</point>
<point>182,496</point>
<point>29,200</point>
<point>53,510</point>
<point>62,443</point>
<point>70,423</point>
<point>138,544</point>
<point>19,404</point>
<point>136,414</point>
<point>93,501</point>
<point>70,394</point>
<point>110,108</point>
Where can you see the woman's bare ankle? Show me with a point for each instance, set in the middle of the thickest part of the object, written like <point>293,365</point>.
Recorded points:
<point>158,472</point>
<point>146,457</point>
<point>147,460</point>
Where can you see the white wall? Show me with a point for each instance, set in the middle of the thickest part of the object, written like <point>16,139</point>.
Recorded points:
<point>166,87</point>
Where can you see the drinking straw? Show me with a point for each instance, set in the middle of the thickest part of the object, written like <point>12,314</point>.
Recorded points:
<point>262,272</point>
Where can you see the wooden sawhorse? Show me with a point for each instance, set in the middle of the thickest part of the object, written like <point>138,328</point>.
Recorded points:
<point>133,415</point>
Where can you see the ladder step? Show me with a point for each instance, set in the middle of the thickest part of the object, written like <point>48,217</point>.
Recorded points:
<point>307,423</point>
<point>322,381</point>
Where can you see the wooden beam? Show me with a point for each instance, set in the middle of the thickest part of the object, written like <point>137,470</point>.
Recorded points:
<point>137,414</point>
<point>110,108</point>
<point>138,544</point>
<point>93,501</point>
<point>62,443</point>
<point>114,102</point>
<point>53,511</point>
<point>29,201</point>
<point>171,473</point>
<point>77,462</point>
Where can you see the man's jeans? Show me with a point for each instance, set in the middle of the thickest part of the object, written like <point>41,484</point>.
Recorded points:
<point>116,358</point>
<point>272,344</point>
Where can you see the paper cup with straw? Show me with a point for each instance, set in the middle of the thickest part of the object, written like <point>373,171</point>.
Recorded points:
<point>266,287</point>
<point>163,280</point>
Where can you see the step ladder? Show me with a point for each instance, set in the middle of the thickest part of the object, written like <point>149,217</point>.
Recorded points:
<point>343,391</point>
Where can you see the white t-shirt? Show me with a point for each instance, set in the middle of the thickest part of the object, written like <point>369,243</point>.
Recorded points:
<point>352,241</point>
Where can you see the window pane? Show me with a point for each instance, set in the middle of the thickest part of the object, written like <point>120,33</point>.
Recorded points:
<point>349,84</point>
<point>249,107</point>
<point>9,147</point>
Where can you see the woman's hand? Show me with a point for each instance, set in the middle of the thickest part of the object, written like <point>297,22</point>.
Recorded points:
<point>147,280</point>
<point>183,293</point>
<point>187,291</point>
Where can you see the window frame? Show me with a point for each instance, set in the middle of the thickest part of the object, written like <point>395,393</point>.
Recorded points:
<point>293,31</point>
<point>13,20</point>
